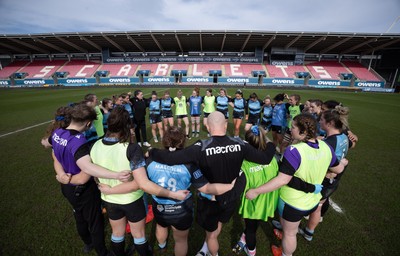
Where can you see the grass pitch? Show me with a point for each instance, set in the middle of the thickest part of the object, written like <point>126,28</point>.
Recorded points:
<point>37,220</point>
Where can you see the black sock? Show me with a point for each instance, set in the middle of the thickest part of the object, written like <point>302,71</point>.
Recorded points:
<point>325,207</point>
<point>143,249</point>
<point>118,248</point>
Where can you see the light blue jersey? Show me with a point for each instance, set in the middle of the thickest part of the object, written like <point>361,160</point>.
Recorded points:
<point>195,105</point>
<point>267,114</point>
<point>254,107</point>
<point>239,105</point>
<point>166,104</point>
<point>279,115</point>
<point>222,103</point>
<point>174,178</point>
<point>155,107</point>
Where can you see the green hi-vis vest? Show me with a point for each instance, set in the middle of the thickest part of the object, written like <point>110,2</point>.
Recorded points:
<point>98,123</point>
<point>209,104</point>
<point>113,157</point>
<point>180,106</point>
<point>293,112</point>
<point>264,205</point>
<point>313,167</point>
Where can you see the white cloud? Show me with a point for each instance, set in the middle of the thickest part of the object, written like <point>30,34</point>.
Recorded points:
<point>44,16</point>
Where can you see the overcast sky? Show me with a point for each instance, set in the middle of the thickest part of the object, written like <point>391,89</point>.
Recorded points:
<point>47,16</point>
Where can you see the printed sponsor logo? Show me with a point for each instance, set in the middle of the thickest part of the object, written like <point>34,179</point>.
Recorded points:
<point>60,141</point>
<point>364,84</point>
<point>282,63</point>
<point>119,80</point>
<point>198,80</point>
<point>331,83</point>
<point>4,83</point>
<point>238,80</point>
<point>76,81</point>
<point>281,81</point>
<point>34,82</point>
<point>223,150</point>
<point>160,79</point>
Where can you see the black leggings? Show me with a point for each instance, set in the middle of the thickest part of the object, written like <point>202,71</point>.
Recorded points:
<point>250,232</point>
<point>140,128</point>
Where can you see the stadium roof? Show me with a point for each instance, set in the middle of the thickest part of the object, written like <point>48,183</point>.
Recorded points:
<point>198,41</point>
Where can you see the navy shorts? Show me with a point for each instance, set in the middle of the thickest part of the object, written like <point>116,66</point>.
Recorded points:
<point>254,120</point>
<point>225,112</point>
<point>154,119</point>
<point>238,115</point>
<point>291,214</point>
<point>180,216</point>
<point>209,213</point>
<point>166,114</point>
<point>278,129</point>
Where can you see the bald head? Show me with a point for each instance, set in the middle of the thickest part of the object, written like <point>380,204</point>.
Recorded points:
<point>216,123</point>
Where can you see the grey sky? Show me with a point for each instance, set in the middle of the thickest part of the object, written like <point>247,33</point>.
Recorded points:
<point>46,16</point>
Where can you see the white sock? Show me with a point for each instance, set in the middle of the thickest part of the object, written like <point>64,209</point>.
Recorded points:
<point>204,248</point>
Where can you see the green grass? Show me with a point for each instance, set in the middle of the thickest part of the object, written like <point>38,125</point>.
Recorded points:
<point>37,220</point>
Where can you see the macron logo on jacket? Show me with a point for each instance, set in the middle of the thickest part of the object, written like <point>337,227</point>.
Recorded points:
<point>223,150</point>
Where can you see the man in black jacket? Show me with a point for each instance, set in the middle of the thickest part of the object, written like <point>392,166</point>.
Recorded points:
<point>140,104</point>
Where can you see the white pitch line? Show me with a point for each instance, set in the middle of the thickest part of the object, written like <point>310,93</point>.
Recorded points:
<point>24,129</point>
<point>335,206</point>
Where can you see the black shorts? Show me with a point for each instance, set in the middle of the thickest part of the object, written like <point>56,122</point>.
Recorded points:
<point>254,120</point>
<point>209,213</point>
<point>206,114</point>
<point>238,115</point>
<point>134,211</point>
<point>278,129</point>
<point>179,216</point>
<point>266,125</point>
<point>195,115</point>
<point>166,114</point>
<point>181,116</point>
<point>291,214</point>
<point>154,119</point>
<point>225,112</point>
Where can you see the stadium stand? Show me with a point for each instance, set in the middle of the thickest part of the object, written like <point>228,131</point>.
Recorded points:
<point>284,71</point>
<point>361,72</point>
<point>156,69</point>
<point>241,70</point>
<point>42,68</point>
<point>120,69</point>
<point>327,69</point>
<point>204,68</point>
<point>13,67</point>
<point>80,68</point>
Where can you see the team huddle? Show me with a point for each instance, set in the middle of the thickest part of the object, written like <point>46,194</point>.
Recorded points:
<point>98,164</point>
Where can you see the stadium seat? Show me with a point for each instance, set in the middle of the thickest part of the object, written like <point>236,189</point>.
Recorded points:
<point>13,67</point>
<point>327,69</point>
<point>361,72</point>
<point>284,71</point>
<point>80,68</point>
<point>117,70</point>
<point>42,68</point>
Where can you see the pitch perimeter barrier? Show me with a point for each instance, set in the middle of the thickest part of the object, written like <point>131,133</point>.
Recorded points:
<point>119,80</point>
<point>77,81</point>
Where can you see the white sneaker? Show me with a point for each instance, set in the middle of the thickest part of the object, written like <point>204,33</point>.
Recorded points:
<point>146,144</point>
<point>155,140</point>
<point>140,144</point>
<point>197,135</point>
